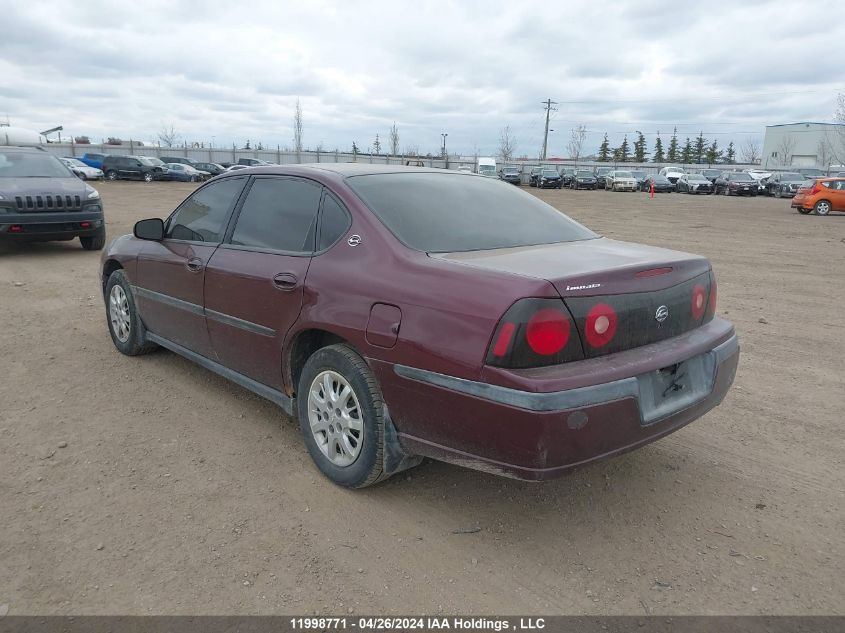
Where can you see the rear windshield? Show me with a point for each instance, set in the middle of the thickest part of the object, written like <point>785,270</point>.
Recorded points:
<point>32,165</point>
<point>444,213</point>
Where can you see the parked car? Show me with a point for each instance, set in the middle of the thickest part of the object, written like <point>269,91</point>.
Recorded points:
<point>464,169</point>
<point>639,176</point>
<point>824,196</point>
<point>511,174</point>
<point>41,200</point>
<point>93,160</point>
<point>711,174</point>
<point>176,159</point>
<point>583,179</point>
<point>132,168</point>
<point>86,172</point>
<point>736,183</point>
<point>694,183</point>
<point>811,172</point>
<point>506,337</point>
<point>620,180</point>
<point>186,173</point>
<point>236,167</point>
<point>566,174</point>
<point>253,162</point>
<point>212,168</point>
<point>761,177</point>
<point>414,163</point>
<point>534,176</point>
<point>661,184</point>
<point>549,179</point>
<point>672,172</point>
<point>784,184</point>
<point>600,174</point>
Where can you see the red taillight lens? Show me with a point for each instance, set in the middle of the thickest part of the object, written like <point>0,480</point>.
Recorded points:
<point>711,304</point>
<point>600,326</point>
<point>699,302</point>
<point>816,189</point>
<point>534,333</point>
<point>548,331</point>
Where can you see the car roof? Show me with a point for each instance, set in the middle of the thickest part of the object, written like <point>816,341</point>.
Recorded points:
<point>342,169</point>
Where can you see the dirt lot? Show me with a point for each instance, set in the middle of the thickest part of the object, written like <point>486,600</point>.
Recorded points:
<point>149,485</point>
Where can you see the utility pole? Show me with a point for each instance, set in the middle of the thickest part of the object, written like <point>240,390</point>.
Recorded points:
<point>548,103</point>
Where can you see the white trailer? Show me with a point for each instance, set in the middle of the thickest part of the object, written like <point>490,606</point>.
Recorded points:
<point>486,166</point>
<point>20,136</point>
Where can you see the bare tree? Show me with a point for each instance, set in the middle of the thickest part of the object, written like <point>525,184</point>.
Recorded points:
<point>168,136</point>
<point>751,150</point>
<point>412,150</point>
<point>507,143</point>
<point>297,130</point>
<point>824,155</point>
<point>577,137</point>
<point>394,140</point>
<point>785,149</point>
<point>837,142</point>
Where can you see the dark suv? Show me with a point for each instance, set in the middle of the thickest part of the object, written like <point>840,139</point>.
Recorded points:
<point>132,168</point>
<point>42,200</point>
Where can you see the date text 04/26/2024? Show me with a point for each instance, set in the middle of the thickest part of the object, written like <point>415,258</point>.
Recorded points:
<point>419,623</point>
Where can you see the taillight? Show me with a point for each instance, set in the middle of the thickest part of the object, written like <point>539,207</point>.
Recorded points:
<point>699,302</point>
<point>534,333</point>
<point>816,189</point>
<point>600,326</point>
<point>711,303</point>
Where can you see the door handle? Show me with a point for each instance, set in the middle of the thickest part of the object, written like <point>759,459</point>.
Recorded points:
<point>285,281</point>
<point>195,265</point>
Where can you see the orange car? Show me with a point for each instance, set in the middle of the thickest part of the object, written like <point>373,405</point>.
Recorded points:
<point>826,195</point>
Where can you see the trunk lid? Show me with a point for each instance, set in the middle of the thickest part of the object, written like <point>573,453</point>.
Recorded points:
<point>636,281</point>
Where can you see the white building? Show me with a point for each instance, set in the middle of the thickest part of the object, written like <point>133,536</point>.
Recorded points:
<point>804,144</point>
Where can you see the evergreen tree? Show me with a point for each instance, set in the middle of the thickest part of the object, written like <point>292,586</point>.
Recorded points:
<point>700,148</point>
<point>713,154</point>
<point>377,146</point>
<point>730,154</point>
<point>604,150</point>
<point>624,151</point>
<point>672,154</point>
<point>659,156</point>
<point>687,152</point>
<point>640,152</point>
<point>354,148</point>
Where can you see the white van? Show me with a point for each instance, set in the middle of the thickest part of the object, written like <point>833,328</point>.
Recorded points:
<point>487,167</point>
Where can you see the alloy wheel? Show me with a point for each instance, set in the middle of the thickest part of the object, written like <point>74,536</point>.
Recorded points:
<point>119,313</point>
<point>334,415</point>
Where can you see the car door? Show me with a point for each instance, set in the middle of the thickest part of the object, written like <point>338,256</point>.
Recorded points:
<point>171,273</point>
<point>837,195</point>
<point>254,283</point>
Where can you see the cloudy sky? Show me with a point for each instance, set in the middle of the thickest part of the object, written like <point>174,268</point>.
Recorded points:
<point>226,72</point>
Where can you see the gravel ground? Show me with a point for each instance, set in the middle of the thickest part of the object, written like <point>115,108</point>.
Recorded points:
<point>149,485</point>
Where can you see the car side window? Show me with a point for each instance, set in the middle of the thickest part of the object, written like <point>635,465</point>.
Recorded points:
<point>334,222</point>
<point>200,218</point>
<point>279,214</point>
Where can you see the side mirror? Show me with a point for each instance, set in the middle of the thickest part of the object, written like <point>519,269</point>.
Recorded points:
<point>152,229</point>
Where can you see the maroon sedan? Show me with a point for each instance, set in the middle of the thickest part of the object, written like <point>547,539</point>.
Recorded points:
<point>403,312</point>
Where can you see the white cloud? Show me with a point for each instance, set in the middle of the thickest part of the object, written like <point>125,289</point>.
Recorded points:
<point>234,70</point>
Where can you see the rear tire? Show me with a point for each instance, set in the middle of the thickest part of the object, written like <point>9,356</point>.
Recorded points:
<point>111,174</point>
<point>94,242</point>
<point>337,392</point>
<point>822,207</point>
<point>148,177</point>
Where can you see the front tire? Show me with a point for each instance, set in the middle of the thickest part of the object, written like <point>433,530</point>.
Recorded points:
<point>148,177</point>
<point>341,415</point>
<point>127,331</point>
<point>111,174</point>
<point>94,242</point>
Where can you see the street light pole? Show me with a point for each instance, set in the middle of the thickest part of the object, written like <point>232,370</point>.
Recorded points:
<point>445,156</point>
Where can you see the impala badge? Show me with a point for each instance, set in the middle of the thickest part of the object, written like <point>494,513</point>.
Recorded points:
<point>662,314</point>
<point>354,240</point>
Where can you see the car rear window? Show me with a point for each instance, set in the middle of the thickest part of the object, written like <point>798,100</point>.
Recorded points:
<point>442,213</point>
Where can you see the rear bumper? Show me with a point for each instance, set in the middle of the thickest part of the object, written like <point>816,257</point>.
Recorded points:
<point>541,435</point>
